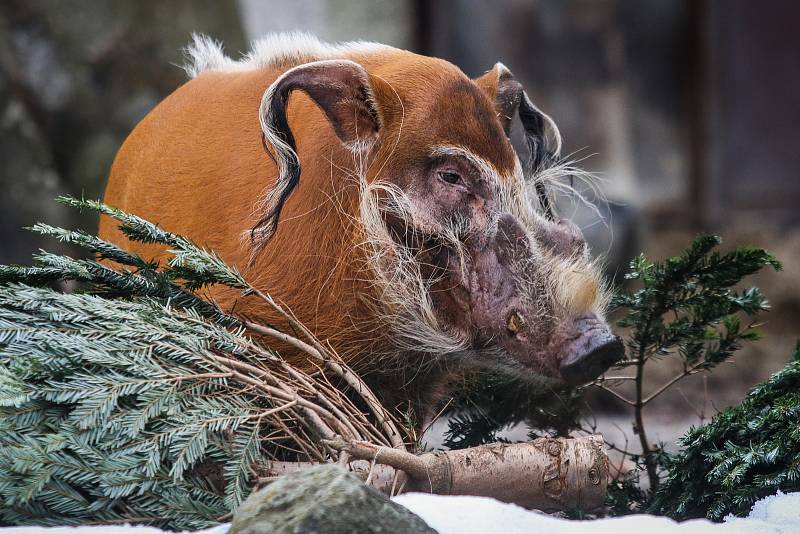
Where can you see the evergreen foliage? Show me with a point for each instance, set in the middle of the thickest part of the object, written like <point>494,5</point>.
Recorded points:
<point>686,307</point>
<point>745,453</point>
<point>488,404</point>
<point>120,402</point>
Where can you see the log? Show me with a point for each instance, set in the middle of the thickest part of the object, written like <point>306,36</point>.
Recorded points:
<point>548,474</point>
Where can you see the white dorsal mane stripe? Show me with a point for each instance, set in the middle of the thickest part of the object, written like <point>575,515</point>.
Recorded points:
<point>205,53</point>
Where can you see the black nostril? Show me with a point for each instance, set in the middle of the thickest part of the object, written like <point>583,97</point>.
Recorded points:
<point>582,368</point>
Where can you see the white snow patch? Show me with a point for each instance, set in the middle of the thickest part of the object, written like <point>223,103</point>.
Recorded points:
<point>781,510</point>
<point>463,514</point>
<point>779,514</point>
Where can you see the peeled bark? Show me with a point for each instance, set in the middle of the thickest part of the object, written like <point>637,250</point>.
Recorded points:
<point>548,474</point>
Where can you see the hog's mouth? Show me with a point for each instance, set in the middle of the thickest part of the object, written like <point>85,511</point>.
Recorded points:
<point>575,353</point>
<point>591,353</point>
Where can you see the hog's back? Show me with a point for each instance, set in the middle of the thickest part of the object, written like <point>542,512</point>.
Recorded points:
<point>196,165</point>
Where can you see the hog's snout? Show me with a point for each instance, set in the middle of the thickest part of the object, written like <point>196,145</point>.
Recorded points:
<point>591,353</point>
<point>538,306</point>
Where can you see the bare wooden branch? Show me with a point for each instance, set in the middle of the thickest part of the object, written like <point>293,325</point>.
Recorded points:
<point>613,378</point>
<point>325,424</point>
<point>286,338</point>
<point>546,474</point>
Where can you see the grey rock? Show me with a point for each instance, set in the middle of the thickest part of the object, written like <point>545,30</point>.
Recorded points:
<point>323,499</point>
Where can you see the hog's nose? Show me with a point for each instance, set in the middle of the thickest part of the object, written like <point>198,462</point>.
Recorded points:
<point>592,357</point>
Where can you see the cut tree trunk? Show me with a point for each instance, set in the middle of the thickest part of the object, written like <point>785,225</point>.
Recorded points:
<point>548,474</point>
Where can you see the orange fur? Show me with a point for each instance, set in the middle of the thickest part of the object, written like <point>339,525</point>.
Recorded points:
<point>197,167</point>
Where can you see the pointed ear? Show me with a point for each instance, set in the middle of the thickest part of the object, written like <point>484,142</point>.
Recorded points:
<point>541,132</point>
<point>342,90</point>
<point>500,86</point>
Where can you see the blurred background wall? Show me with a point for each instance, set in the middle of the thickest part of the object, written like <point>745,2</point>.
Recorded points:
<point>687,110</point>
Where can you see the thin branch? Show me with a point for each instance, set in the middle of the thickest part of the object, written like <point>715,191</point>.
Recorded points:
<point>617,395</point>
<point>411,464</point>
<point>286,338</point>
<point>613,378</point>
<point>315,349</point>
<point>647,451</point>
<point>437,416</point>
<point>313,411</point>
<point>690,371</point>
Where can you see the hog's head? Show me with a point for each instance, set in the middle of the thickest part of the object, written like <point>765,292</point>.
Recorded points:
<point>466,258</point>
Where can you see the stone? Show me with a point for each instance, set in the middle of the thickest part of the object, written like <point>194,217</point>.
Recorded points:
<point>323,499</point>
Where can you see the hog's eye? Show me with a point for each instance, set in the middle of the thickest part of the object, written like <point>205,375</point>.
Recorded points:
<point>449,177</point>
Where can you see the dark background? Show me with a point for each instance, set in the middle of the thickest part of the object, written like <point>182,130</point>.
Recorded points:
<point>687,111</point>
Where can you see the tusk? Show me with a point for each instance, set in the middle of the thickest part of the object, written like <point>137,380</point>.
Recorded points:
<point>515,322</point>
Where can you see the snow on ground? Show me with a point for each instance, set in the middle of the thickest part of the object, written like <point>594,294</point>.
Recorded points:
<point>779,514</point>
